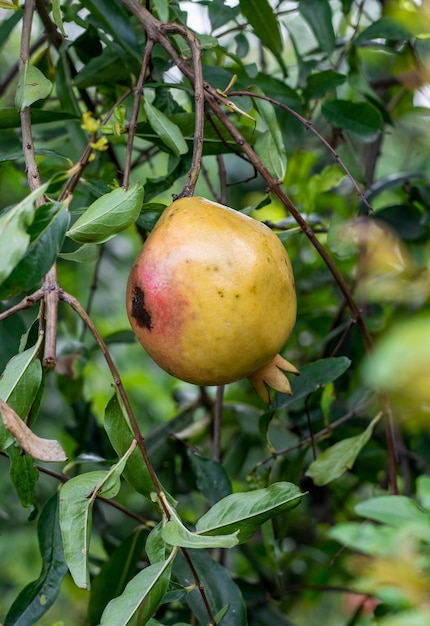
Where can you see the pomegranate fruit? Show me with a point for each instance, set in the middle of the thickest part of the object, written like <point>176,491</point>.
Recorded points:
<point>211,297</point>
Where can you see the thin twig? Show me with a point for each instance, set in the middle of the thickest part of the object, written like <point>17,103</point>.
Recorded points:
<point>79,309</point>
<point>199,100</point>
<point>135,112</point>
<point>309,126</point>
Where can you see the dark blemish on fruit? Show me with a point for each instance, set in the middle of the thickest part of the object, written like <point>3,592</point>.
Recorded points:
<point>138,311</point>
<point>220,293</point>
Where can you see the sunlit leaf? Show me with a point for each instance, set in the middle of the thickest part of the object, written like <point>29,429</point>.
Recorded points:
<point>168,131</point>
<point>394,510</point>
<point>76,503</point>
<point>340,457</point>
<point>32,86</point>
<point>247,511</point>
<point>14,235</point>
<point>108,215</point>
<point>147,589</point>
<point>47,233</point>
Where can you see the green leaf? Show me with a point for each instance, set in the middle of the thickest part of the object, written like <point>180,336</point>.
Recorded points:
<point>267,150</point>
<point>75,523</point>
<point>318,15</point>
<point>220,589</point>
<point>367,538</point>
<point>14,235</point>
<point>169,133</point>
<point>264,23</point>
<point>56,14</point>
<point>32,86</point>
<point>9,118</point>
<point>76,502</point>
<point>114,19</point>
<point>108,215</point>
<point>175,534</point>
<point>47,235</point>
<point>384,28</point>
<point>35,599</point>
<point>359,118</point>
<point>392,510</point>
<point>120,436</point>
<point>312,377</point>
<point>19,385</point>
<point>246,512</point>
<point>340,457</point>
<point>147,589</point>
<point>115,573</point>
<point>87,253</point>
<point>212,478</point>
<point>162,9</point>
<point>321,83</point>
<point>423,491</point>
<point>24,476</point>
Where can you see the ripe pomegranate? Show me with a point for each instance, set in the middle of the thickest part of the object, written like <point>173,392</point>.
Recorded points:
<point>211,297</point>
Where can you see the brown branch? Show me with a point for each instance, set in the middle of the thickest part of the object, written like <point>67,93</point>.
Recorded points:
<point>79,309</point>
<point>309,126</point>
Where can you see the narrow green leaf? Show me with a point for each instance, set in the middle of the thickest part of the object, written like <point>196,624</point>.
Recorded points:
<point>267,150</point>
<point>264,23</point>
<point>24,476</point>
<point>19,385</point>
<point>115,573</point>
<point>340,457</point>
<point>359,118</point>
<point>14,236</point>
<point>35,599</point>
<point>169,133</point>
<point>108,215</point>
<point>120,436</point>
<point>87,253</point>
<point>312,377</point>
<point>392,510</point>
<point>32,86</point>
<point>246,512</point>
<point>384,28</point>
<point>175,534</point>
<point>47,234</point>
<point>162,9</point>
<point>76,502</point>
<point>9,118</point>
<point>75,523</point>
<point>220,589</point>
<point>56,14</point>
<point>148,587</point>
<point>318,15</point>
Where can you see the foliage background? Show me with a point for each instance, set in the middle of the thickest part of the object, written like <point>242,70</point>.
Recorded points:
<point>348,140</point>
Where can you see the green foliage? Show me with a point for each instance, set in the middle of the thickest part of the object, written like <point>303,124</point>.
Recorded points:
<point>179,505</point>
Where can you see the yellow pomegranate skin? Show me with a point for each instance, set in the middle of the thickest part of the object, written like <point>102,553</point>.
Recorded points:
<point>211,295</point>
